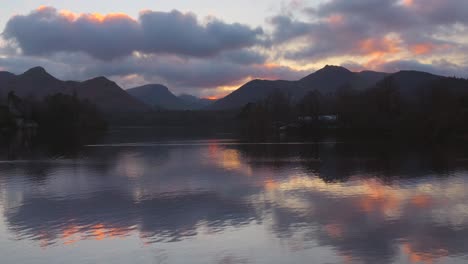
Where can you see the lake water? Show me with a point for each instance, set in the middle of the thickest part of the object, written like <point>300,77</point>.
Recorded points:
<point>221,201</point>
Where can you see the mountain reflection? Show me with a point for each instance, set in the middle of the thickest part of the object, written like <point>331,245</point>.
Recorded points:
<point>396,206</point>
<point>110,214</point>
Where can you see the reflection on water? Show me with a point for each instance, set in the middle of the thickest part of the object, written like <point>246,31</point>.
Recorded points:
<point>219,201</point>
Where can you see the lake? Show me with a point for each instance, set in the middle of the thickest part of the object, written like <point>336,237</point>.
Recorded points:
<point>217,200</point>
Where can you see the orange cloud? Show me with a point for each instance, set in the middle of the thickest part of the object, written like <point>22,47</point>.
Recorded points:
<point>378,50</point>
<point>95,17</point>
<point>100,18</point>
<point>422,48</point>
<point>423,257</point>
<point>335,20</point>
<point>375,47</point>
<point>42,8</point>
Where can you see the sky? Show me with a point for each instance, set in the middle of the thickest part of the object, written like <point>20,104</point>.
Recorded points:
<point>209,48</point>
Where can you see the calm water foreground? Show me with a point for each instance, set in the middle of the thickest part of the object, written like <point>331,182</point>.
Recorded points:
<point>220,201</point>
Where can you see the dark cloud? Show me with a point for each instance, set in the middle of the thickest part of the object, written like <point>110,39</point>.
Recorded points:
<point>46,31</point>
<point>180,33</point>
<point>373,28</point>
<point>245,57</point>
<point>287,28</point>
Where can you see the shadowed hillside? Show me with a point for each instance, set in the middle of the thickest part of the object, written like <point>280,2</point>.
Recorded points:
<point>37,84</point>
<point>159,97</point>
<point>326,81</point>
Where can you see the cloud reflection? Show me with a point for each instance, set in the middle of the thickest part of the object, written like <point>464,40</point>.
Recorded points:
<point>331,196</point>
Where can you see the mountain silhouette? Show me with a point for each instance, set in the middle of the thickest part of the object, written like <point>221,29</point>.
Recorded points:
<point>37,83</point>
<point>411,83</point>
<point>110,98</point>
<point>326,80</point>
<point>159,97</point>
<point>253,91</point>
<point>196,102</point>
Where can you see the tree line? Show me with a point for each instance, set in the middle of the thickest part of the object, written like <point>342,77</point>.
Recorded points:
<point>435,112</point>
<point>55,114</point>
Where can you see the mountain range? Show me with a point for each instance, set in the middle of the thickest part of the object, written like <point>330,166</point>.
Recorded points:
<point>37,83</point>
<point>326,80</point>
<point>330,79</point>
<point>159,97</point>
<point>110,98</point>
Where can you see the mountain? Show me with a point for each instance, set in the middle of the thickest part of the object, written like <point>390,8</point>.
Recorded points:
<point>5,79</point>
<point>38,83</point>
<point>196,102</point>
<point>159,96</point>
<point>108,96</point>
<point>410,83</point>
<point>251,92</point>
<point>326,80</point>
<point>35,82</point>
<point>368,79</point>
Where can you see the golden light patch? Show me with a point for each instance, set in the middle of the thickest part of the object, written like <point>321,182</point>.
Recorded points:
<point>100,18</point>
<point>224,90</point>
<point>94,17</point>
<point>408,3</point>
<point>70,16</point>
<point>271,65</point>
<point>42,8</point>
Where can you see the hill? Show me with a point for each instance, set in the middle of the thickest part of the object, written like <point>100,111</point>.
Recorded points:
<point>326,80</point>
<point>37,83</point>
<point>159,97</point>
<point>253,91</point>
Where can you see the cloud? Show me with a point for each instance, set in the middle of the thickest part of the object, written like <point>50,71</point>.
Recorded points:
<point>198,76</point>
<point>195,74</point>
<point>439,67</point>
<point>204,56</point>
<point>372,30</point>
<point>47,31</point>
<point>179,33</point>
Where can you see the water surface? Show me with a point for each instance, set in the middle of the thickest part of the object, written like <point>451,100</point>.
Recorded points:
<point>221,201</point>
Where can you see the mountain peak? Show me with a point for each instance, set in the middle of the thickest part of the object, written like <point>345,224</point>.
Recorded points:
<point>38,74</point>
<point>334,68</point>
<point>37,71</point>
<point>100,80</point>
<point>328,74</point>
<point>155,86</point>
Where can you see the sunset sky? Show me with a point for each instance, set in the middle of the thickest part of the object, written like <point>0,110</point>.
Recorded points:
<point>210,47</point>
